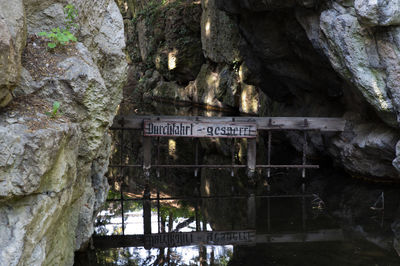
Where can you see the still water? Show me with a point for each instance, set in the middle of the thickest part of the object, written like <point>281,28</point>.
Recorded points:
<point>222,217</point>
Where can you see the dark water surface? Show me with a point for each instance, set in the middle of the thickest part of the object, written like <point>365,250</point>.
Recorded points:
<point>326,219</point>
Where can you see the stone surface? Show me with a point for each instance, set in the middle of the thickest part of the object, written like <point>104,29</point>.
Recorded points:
<point>377,12</point>
<point>354,53</point>
<point>219,34</point>
<point>367,150</point>
<point>52,169</point>
<point>167,39</point>
<point>12,42</point>
<point>44,15</point>
<point>215,87</point>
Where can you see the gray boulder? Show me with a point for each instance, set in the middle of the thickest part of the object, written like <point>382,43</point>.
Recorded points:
<point>12,43</point>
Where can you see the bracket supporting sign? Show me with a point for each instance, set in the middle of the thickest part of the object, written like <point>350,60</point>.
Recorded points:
<point>199,129</point>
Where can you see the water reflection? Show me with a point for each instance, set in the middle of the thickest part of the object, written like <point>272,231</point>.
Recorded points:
<point>328,220</point>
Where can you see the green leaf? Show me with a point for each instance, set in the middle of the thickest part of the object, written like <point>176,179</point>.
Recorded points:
<point>56,105</point>
<point>42,33</point>
<point>51,45</point>
<point>63,38</point>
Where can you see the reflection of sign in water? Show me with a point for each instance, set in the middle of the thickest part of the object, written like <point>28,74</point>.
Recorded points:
<point>200,129</point>
<point>194,238</point>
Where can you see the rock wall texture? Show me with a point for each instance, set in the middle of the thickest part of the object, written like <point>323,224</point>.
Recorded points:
<point>12,42</point>
<point>52,168</point>
<point>286,58</point>
<point>332,58</point>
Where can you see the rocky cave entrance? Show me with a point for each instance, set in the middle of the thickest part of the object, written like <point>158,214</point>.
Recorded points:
<point>292,218</point>
<point>262,59</point>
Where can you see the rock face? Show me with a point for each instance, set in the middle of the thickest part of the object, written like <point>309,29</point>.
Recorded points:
<point>12,42</point>
<point>337,58</point>
<point>52,167</point>
<point>187,57</point>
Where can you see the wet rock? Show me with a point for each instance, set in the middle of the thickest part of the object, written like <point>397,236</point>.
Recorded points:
<point>219,35</point>
<point>144,43</point>
<point>215,87</point>
<point>367,150</point>
<point>396,161</point>
<point>12,42</point>
<point>168,38</point>
<point>170,90</point>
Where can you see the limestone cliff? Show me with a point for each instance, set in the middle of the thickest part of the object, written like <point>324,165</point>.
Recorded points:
<point>284,58</point>
<point>52,166</point>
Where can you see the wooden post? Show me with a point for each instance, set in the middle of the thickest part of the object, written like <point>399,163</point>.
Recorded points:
<point>269,159</point>
<point>269,153</point>
<point>196,208</point>
<point>158,211</point>
<point>303,174</point>
<point>269,214</point>
<point>146,213</point>
<point>233,152</point>
<point>122,209</point>
<point>196,156</point>
<point>251,156</point>
<point>158,157</point>
<point>251,211</point>
<point>146,156</point>
<point>233,142</point>
<point>121,150</point>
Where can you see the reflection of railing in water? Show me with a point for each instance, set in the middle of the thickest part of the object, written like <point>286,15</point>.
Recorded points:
<point>198,237</point>
<point>269,124</point>
<point>248,237</point>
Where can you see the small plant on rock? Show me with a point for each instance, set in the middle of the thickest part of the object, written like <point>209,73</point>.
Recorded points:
<point>59,36</point>
<point>55,111</point>
<point>71,14</point>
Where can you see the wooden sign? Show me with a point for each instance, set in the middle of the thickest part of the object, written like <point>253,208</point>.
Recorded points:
<point>200,129</point>
<point>196,238</point>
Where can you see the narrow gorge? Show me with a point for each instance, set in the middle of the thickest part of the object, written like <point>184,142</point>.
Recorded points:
<point>62,169</point>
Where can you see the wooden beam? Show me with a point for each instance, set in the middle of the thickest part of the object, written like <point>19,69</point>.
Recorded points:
<point>324,235</point>
<point>251,212</point>
<point>263,123</point>
<point>176,239</point>
<point>146,211</point>
<point>300,166</point>
<point>146,155</point>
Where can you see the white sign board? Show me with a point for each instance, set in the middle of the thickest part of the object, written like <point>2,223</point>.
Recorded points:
<point>200,129</point>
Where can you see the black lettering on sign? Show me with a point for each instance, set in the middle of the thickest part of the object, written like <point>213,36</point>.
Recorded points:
<point>200,129</point>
